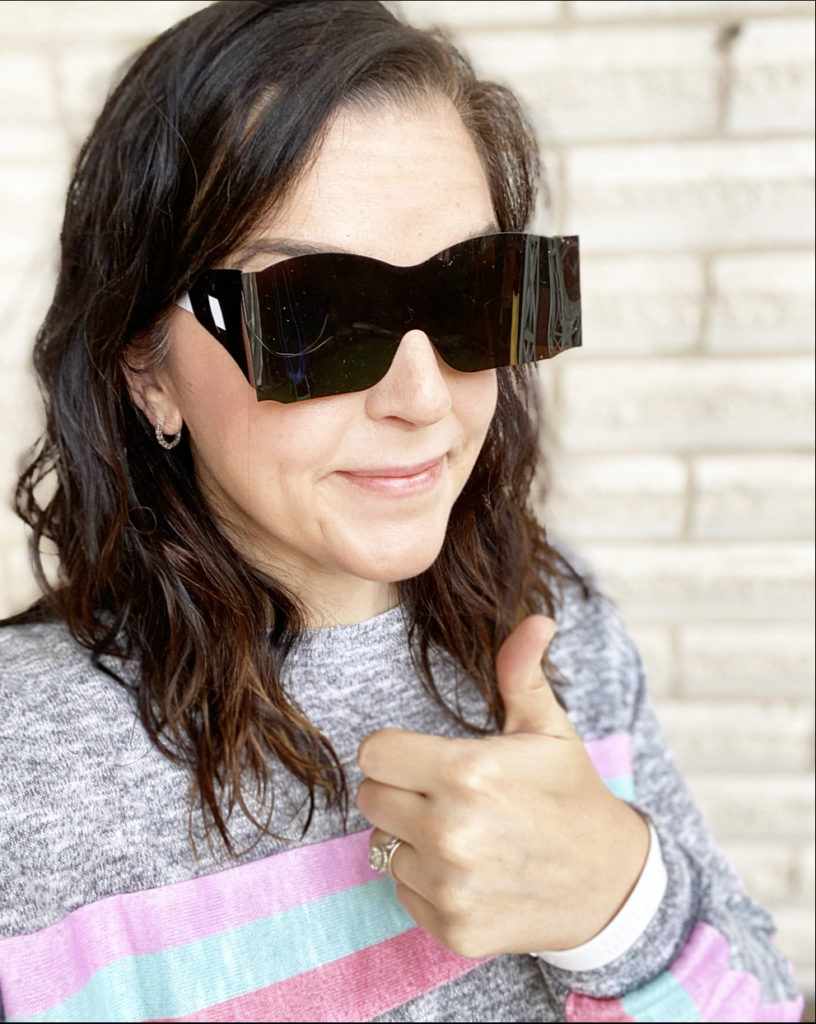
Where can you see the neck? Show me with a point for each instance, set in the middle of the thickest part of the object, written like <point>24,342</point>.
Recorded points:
<point>356,601</point>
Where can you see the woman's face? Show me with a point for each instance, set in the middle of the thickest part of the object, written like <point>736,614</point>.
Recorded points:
<point>339,497</point>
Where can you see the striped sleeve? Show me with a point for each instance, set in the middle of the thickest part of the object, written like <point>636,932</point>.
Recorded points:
<point>707,954</point>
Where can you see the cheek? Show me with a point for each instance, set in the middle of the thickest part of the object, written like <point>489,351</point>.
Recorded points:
<point>239,442</point>
<point>474,398</point>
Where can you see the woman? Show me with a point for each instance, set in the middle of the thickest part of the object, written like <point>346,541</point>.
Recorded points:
<point>291,422</point>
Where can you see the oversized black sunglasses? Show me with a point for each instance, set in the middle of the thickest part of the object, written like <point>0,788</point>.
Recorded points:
<point>330,323</point>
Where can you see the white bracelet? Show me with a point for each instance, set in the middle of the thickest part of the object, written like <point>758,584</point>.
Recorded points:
<point>626,926</point>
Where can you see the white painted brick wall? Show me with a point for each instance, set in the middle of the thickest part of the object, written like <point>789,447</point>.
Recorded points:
<point>774,660</point>
<point>678,138</point>
<point>69,21</point>
<point>629,496</point>
<point>717,735</point>
<point>727,581</point>
<point>655,10</point>
<point>761,302</point>
<point>767,870</point>
<point>688,404</point>
<point>772,84</point>
<point>591,83</point>
<point>723,193</point>
<point>765,807</point>
<point>753,496</point>
<point>646,305</point>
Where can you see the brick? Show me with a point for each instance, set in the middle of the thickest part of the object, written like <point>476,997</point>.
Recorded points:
<point>692,405</point>
<point>25,293</point>
<point>22,409</point>
<point>762,302</point>
<point>26,85</point>
<point>31,143</point>
<point>31,205</point>
<point>731,736</point>
<point>772,77</point>
<point>766,869</point>
<point>466,14</point>
<point>742,660</point>
<point>656,648</point>
<point>669,582</point>
<point>654,9</point>
<point>19,588</point>
<point>23,415</point>
<point>80,20</point>
<point>703,195</point>
<point>805,872</point>
<point>762,496</point>
<point>641,305</point>
<point>589,84</point>
<point>86,74</point>
<point>12,530</point>
<point>619,496</point>
<point>768,808</point>
<point>795,939</point>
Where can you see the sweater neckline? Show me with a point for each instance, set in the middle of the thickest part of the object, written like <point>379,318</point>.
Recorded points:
<point>386,630</point>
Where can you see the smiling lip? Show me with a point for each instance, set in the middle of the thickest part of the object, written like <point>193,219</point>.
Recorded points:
<point>397,479</point>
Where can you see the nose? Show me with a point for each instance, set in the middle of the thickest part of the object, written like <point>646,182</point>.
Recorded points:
<point>415,389</point>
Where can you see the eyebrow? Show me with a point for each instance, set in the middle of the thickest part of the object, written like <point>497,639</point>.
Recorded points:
<point>281,247</point>
<point>291,247</point>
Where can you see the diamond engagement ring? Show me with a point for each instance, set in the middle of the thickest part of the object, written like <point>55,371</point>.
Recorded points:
<point>380,857</point>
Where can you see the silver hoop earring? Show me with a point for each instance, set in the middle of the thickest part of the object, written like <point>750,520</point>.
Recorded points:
<point>174,440</point>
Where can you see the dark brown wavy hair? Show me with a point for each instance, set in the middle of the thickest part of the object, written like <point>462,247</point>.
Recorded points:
<point>206,132</point>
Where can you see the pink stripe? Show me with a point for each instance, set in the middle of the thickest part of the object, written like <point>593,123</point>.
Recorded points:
<point>69,952</point>
<point>612,755</point>
<point>720,993</point>
<point>701,963</point>
<point>353,988</point>
<point>584,1008</point>
<point>790,1010</point>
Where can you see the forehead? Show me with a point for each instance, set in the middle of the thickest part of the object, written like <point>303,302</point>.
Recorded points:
<point>397,182</point>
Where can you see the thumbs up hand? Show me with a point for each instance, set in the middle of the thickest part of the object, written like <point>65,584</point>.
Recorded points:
<point>510,843</point>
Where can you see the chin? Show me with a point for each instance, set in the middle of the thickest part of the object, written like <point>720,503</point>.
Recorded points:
<point>393,566</point>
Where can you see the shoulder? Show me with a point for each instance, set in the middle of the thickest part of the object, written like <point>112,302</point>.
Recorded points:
<point>42,657</point>
<point>593,652</point>
<point>50,685</point>
<point>37,647</point>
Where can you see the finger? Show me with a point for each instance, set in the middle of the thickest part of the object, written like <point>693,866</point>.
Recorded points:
<point>407,869</point>
<point>457,939</point>
<point>406,760</point>
<point>406,865</point>
<point>529,703</point>
<point>395,811</point>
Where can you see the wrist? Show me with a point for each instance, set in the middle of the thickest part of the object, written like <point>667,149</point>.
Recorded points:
<point>627,925</point>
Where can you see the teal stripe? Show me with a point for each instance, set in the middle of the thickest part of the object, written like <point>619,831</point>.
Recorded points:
<point>624,787</point>
<point>232,963</point>
<point>661,1000</point>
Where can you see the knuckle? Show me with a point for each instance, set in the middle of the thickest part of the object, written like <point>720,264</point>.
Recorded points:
<point>454,902</point>
<point>369,752</point>
<point>459,938</point>
<point>451,846</point>
<point>474,772</point>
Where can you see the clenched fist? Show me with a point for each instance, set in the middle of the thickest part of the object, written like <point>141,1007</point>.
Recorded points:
<point>511,843</point>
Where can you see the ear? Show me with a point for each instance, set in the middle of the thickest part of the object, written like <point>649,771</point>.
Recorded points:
<point>151,391</point>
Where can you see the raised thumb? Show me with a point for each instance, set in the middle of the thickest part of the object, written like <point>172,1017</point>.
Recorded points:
<point>529,703</point>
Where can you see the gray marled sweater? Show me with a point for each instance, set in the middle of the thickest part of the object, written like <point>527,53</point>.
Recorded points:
<point>105,913</point>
